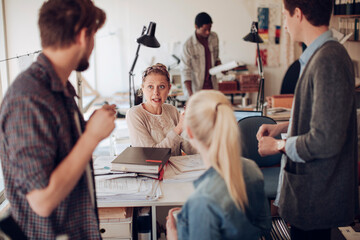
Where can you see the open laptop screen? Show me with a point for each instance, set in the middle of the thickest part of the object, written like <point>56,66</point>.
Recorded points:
<point>240,114</point>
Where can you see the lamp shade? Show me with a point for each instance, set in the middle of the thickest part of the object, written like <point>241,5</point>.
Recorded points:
<point>253,36</point>
<point>149,39</point>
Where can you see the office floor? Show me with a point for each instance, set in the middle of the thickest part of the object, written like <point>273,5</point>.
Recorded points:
<point>349,233</point>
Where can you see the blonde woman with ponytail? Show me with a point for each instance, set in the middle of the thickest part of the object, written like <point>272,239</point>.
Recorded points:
<point>229,200</point>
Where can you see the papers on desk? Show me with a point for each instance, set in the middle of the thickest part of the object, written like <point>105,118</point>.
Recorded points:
<point>184,168</point>
<point>279,113</point>
<point>109,176</point>
<point>187,163</point>
<point>277,110</point>
<point>118,186</point>
<point>114,186</point>
<point>102,165</point>
<point>124,189</point>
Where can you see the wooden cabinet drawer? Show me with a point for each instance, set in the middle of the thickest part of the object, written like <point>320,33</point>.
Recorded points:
<point>118,230</point>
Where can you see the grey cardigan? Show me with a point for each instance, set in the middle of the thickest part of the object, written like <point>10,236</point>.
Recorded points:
<point>323,192</point>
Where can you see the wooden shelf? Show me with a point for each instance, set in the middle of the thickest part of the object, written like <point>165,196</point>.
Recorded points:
<point>236,91</point>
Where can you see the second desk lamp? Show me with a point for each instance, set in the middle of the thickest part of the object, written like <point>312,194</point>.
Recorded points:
<point>254,37</point>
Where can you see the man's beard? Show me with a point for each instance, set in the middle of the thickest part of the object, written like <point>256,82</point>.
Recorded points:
<point>83,64</point>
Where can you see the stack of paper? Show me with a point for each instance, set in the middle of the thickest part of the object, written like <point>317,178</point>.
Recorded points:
<point>102,169</point>
<point>184,168</point>
<point>124,189</point>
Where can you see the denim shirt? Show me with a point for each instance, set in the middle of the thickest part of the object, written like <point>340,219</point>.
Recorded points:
<point>210,212</point>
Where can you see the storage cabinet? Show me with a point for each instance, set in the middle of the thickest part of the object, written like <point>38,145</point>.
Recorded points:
<point>116,230</point>
<point>353,47</point>
<point>116,223</point>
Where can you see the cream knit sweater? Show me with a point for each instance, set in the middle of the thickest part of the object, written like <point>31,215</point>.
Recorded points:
<point>151,130</point>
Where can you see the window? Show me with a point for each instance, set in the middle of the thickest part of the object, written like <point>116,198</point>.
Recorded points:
<point>3,54</point>
<point>3,83</point>
<point>2,192</point>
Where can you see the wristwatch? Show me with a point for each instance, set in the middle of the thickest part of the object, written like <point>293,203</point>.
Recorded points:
<point>281,145</point>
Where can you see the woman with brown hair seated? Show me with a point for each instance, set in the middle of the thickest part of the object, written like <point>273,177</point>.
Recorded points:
<point>155,123</point>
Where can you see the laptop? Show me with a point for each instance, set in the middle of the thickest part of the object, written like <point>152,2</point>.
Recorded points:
<point>240,114</point>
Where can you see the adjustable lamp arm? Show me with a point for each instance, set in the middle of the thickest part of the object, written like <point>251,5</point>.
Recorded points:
<point>137,53</point>
<point>147,40</point>
<point>131,72</point>
<point>259,61</point>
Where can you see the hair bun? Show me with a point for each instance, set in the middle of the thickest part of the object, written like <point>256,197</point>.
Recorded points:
<point>160,66</point>
<point>157,68</point>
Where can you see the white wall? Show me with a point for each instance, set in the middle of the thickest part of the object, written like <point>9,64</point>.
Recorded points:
<point>21,30</point>
<point>116,45</point>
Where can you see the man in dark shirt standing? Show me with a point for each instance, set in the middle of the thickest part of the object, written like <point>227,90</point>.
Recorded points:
<point>200,53</point>
<point>45,147</point>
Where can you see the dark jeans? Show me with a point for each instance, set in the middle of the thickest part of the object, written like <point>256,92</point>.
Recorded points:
<point>319,234</point>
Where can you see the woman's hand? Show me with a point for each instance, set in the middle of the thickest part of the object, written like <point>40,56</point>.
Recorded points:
<point>179,127</point>
<point>171,231</point>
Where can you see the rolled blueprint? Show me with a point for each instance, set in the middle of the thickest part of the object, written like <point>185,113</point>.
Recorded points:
<point>223,67</point>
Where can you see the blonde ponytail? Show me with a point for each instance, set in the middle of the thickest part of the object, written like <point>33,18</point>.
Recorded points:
<point>210,117</point>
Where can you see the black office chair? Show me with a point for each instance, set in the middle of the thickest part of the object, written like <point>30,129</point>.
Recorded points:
<point>269,165</point>
<point>290,79</point>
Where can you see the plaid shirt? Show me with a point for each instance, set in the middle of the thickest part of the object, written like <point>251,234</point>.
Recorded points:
<point>37,131</point>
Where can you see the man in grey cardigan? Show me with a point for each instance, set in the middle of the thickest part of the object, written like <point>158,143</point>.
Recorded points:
<point>318,187</point>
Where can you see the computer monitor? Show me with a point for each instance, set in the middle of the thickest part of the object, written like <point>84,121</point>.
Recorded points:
<point>240,114</point>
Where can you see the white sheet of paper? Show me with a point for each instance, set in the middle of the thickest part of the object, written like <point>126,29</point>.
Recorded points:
<point>187,163</point>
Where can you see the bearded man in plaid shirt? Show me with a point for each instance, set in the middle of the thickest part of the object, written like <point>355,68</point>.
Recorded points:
<point>45,147</point>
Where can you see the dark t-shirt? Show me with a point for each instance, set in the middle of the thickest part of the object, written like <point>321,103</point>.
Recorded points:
<point>207,80</point>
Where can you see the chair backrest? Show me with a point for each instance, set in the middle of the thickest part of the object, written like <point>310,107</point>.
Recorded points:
<point>290,79</point>
<point>249,144</point>
<point>9,228</point>
<point>240,114</point>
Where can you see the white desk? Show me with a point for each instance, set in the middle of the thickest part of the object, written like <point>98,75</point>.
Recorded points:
<point>174,194</point>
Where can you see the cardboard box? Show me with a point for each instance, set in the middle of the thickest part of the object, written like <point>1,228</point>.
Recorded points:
<point>228,86</point>
<point>282,100</point>
<point>116,222</point>
<point>114,212</point>
<point>248,82</point>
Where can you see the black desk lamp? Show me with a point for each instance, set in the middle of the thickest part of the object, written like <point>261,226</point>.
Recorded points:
<point>147,40</point>
<point>254,37</point>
